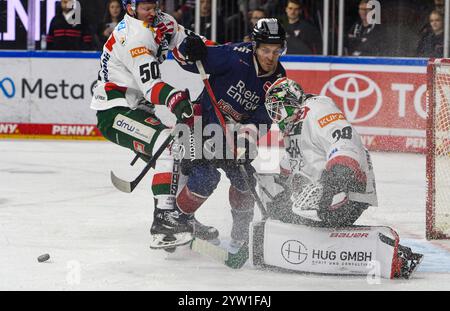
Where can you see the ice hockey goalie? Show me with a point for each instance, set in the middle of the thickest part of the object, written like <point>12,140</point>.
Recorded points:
<point>326,183</point>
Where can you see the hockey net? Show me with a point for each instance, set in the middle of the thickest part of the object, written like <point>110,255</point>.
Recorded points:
<point>438,150</point>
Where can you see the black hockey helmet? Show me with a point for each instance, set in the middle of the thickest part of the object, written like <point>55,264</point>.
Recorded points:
<point>270,31</point>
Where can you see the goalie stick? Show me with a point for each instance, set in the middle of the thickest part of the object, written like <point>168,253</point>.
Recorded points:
<point>128,186</point>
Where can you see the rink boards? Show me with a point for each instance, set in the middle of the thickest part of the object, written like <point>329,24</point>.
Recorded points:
<point>47,95</point>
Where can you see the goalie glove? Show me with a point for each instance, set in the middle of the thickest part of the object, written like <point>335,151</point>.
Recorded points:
<point>337,183</point>
<point>308,198</point>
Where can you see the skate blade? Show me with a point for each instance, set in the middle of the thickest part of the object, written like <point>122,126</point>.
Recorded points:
<point>158,241</point>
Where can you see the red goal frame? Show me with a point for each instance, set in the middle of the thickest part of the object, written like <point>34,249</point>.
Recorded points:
<point>431,231</point>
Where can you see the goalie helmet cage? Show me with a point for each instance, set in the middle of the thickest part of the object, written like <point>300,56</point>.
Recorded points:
<point>438,150</point>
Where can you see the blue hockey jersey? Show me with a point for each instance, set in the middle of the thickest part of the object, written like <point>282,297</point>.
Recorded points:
<point>239,91</point>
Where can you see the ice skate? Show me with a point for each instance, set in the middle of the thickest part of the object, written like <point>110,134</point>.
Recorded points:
<point>408,262</point>
<point>169,229</point>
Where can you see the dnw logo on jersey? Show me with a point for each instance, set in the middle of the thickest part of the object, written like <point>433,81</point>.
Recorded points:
<point>360,97</point>
<point>294,252</point>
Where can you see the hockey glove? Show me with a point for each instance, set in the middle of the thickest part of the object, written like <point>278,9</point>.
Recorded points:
<point>195,48</point>
<point>180,105</point>
<point>339,179</point>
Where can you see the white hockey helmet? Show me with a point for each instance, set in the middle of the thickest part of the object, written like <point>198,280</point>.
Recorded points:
<point>284,99</point>
<point>134,4</point>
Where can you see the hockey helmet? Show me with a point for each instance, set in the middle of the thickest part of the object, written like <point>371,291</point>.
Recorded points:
<point>269,31</point>
<point>134,3</point>
<point>284,100</point>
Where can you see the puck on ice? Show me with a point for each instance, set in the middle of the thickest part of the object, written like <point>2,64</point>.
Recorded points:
<point>43,257</point>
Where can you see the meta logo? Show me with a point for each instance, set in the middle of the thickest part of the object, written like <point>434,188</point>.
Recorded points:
<point>7,87</point>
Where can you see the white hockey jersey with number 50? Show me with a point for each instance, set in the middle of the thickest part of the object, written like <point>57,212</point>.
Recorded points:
<point>323,139</point>
<point>129,65</point>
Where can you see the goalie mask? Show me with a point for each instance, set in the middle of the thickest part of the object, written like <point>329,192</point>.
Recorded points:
<point>284,102</point>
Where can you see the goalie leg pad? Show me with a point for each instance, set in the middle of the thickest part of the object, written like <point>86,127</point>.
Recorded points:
<point>356,250</point>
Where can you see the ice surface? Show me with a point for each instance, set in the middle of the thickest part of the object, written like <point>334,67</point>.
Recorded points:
<point>56,198</point>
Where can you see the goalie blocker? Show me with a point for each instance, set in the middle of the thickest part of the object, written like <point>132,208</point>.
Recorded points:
<point>356,250</point>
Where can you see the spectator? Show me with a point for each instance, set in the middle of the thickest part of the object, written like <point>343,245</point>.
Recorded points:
<point>364,39</point>
<point>268,6</point>
<point>236,20</point>
<point>254,16</point>
<point>302,36</point>
<point>432,43</point>
<point>65,33</point>
<point>114,14</point>
<point>206,22</point>
<point>439,5</point>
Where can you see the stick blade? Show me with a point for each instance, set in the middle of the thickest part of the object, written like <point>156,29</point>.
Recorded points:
<point>235,260</point>
<point>120,184</point>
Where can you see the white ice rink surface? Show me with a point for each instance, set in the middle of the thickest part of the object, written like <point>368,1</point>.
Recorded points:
<point>56,198</point>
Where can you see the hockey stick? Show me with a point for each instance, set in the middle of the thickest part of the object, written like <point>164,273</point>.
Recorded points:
<point>238,259</point>
<point>128,186</point>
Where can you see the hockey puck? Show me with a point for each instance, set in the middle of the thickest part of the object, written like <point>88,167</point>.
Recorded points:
<point>43,257</point>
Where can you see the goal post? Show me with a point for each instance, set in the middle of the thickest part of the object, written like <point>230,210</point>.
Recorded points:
<point>438,150</point>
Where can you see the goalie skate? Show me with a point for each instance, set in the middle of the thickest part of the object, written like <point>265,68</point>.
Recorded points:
<point>408,262</point>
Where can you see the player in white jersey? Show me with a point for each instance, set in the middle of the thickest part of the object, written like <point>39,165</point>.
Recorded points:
<point>326,183</point>
<point>326,164</point>
<point>129,85</point>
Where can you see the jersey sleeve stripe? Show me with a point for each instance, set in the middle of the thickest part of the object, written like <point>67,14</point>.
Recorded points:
<point>160,92</point>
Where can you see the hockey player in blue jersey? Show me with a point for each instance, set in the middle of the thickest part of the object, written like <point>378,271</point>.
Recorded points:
<point>239,76</point>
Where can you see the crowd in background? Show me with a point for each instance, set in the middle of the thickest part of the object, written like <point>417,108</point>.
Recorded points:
<point>408,28</point>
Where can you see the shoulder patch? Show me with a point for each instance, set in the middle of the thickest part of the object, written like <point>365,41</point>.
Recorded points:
<point>121,25</point>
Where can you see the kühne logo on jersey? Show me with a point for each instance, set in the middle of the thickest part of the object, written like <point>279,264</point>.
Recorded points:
<point>353,91</point>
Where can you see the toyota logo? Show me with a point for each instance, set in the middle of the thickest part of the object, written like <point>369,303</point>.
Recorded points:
<point>294,252</point>
<point>355,87</point>
<point>7,87</point>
